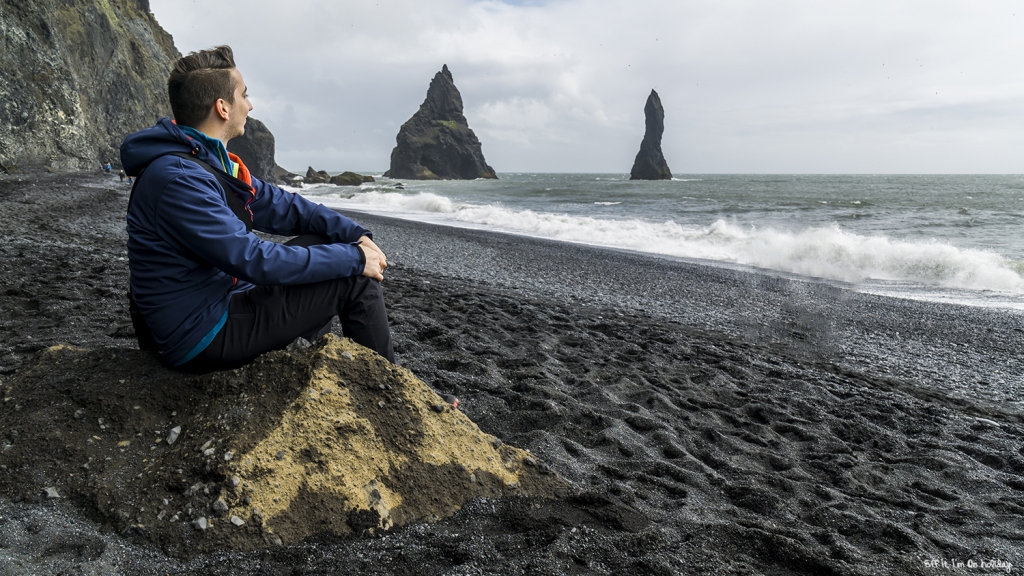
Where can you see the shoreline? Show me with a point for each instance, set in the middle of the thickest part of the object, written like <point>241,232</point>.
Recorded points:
<point>818,319</point>
<point>711,421</point>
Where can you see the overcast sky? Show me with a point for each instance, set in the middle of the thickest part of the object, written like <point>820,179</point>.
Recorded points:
<point>559,86</point>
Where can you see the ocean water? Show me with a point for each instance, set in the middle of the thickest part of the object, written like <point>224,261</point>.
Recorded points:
<point>949,238</point>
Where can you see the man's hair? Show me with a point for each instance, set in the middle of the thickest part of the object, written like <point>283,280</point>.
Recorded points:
<point>198,81</point>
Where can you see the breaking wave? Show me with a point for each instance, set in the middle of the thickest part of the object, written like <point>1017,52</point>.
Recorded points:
<point>824,252</point>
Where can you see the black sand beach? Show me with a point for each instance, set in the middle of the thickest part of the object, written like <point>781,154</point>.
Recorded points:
<point>710,420</point>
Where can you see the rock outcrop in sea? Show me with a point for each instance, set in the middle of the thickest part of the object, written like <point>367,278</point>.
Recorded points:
<point>78,75</point>
<point>650,161</point>
<point>330,438</point>
<point>437,143</point>
<point>283,176</point>
<point>256,149</point>
<point>350,179</point>
<point>314,176</point>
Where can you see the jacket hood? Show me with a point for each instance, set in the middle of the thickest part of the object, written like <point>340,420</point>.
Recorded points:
<point>144,146</point>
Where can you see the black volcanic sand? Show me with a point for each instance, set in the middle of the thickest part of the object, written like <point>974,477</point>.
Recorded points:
<point>710,421</point>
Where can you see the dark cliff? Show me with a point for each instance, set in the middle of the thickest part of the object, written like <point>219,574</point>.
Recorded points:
<point>650,162</point>
<point>437,143</point>
<point>256,149</point>
<point>78,76</point>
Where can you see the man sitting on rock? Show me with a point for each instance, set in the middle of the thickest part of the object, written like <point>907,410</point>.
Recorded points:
<point>212,293</point>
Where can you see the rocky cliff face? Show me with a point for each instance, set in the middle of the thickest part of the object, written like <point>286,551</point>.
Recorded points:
<point>436,143</point>
<point>78,75</point>
<point>650,162</point>
<point>256,149</point>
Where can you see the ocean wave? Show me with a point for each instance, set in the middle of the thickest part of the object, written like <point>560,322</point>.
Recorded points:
<point>824,252</point>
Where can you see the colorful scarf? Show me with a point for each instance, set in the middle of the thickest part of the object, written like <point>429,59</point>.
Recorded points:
<point>215,146</point>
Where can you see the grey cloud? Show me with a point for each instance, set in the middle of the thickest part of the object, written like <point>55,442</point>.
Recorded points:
<point>560,86</point>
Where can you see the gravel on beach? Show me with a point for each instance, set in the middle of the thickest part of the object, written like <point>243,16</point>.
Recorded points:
<point>711,420</point>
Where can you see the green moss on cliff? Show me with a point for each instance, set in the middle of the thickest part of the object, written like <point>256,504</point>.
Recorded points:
<point>80,76</point>
<point>104,6</point>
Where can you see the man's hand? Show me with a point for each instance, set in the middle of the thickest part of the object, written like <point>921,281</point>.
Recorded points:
<point>376,261</point>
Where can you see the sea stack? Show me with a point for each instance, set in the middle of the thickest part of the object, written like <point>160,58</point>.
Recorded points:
<point>650,162</point>
<point>437,143</point>
<point>256,149</point>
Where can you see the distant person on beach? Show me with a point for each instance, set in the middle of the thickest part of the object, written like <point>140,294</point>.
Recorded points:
<point>213,294</point>
<point>120,174</point>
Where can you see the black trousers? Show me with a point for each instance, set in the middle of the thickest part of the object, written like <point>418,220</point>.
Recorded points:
<point>268,318</point>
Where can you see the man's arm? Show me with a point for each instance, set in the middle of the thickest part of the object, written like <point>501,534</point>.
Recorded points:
<point>279,212</point>
<point>194,215</point>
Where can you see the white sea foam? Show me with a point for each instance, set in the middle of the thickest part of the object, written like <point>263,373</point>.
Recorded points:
<point>824,252</point>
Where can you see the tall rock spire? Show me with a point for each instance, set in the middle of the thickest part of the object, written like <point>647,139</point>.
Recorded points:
<point>437,143</point>
<point>650,162</point>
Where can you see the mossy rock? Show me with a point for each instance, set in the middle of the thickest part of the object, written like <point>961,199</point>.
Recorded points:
<point>334,439</point>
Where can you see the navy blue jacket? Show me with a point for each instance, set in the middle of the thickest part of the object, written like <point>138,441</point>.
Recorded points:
<point>188,253</point>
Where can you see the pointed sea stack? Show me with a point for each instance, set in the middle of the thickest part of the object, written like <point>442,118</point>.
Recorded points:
<point>436,143</point>
<point>650,162</point>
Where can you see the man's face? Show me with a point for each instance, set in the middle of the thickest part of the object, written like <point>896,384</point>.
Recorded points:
<point>239,109</point>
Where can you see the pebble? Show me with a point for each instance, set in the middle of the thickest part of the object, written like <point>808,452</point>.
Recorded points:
<point>209,451</point>
<point>237,521</point>
<point>220,506</point>
<point>472,478</point>
<point>235,481</point>
<point>79,414</point>
<point>229,455</point>
<point>172,436</point>
<point>544,469</point>
<point>496,443</point>
<point>200,523</point>
<point>52,493</point>
<point>279,455</point>
<point>207,445</point>
<point>529,461</point>
<point>439,407</point>
<point>165,501</point>
<point>346,356</point>
<point>381,404</point>
<point>298,345</point>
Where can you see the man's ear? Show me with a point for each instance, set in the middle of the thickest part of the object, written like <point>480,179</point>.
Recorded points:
<point>222,109</point>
